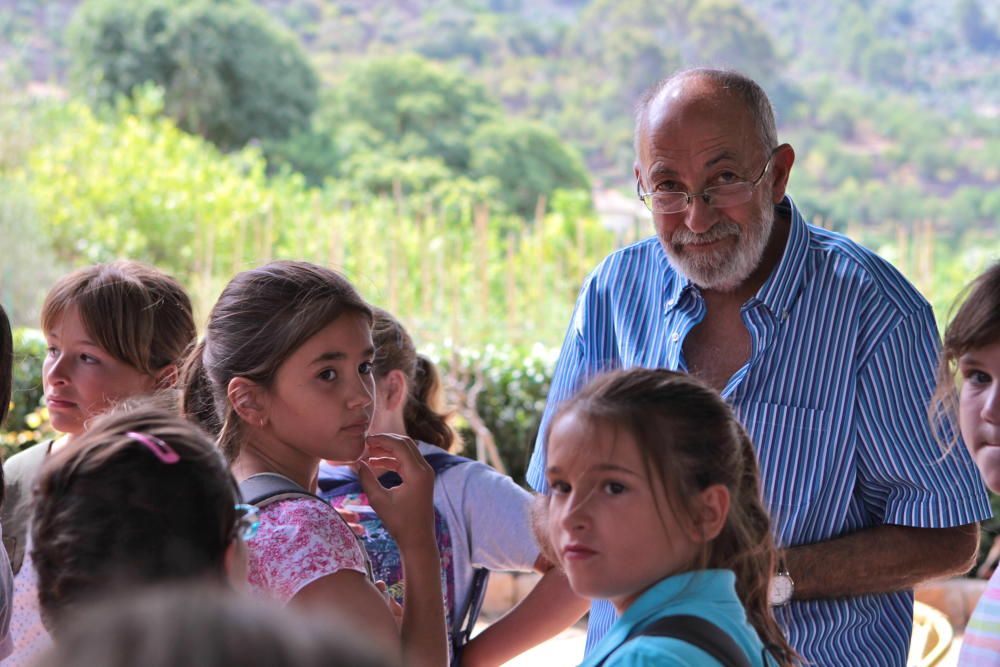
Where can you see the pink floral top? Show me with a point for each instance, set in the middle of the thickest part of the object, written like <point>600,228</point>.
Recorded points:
<point>299,541</point>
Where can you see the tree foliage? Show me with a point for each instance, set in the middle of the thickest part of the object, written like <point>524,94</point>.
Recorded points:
<point>229,74</point>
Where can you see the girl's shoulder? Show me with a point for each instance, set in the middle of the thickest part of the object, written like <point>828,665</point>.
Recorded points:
<point>298,541</point>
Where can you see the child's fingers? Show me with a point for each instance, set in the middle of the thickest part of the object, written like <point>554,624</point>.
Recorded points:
<point>403,449</point>
<point>384,463</point>
<point>370,484</point>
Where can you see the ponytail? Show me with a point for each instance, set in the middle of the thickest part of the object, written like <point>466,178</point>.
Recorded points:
<point>420,416</point>
<point>199,404</point>
<point>746,547</point>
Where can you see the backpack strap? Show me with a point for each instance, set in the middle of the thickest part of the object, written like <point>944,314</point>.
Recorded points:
<point>477,594</point>
<point>698,632</point>
<point>265,488</point>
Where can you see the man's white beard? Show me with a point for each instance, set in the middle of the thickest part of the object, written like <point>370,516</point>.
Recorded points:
<point>723,270</point>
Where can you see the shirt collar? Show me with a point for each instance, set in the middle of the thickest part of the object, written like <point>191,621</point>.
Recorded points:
<point>782,287</point>
<point>716,585</point>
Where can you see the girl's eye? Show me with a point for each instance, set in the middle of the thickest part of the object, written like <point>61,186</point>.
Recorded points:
<point>614,488</point>
<point>559,487</point>
<point>53,351</point>
<point>978,377</point>
<point>327,375</point>
<point>87,359</point>
<point>365,368</point>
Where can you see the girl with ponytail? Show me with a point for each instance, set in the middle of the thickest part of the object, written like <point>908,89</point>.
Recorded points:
<point>283,379</point>
<point>483,517</point>
<point>655,505</point>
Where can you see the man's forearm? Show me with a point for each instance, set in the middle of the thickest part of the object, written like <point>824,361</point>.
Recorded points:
<point>880,560</point>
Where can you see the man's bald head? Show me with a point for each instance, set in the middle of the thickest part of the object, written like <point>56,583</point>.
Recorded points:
<point>719,85</point>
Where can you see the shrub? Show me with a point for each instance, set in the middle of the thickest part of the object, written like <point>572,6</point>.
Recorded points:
<point>28,421</point>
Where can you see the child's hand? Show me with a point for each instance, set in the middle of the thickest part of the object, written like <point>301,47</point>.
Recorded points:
<point>407,511</point>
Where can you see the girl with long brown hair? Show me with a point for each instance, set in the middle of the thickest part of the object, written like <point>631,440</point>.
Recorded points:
<point>655,505</point>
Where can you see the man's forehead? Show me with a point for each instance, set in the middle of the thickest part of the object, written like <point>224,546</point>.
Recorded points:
<point>721,118</point>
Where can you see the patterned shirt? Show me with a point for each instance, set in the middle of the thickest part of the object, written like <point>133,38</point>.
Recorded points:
<point>299,541</point>
<point>834,395</point>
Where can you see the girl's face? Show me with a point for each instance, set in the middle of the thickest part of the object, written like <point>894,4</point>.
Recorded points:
<point>80,379</point>
<point>613,531</point>
<point>322,399</point>
<point>979,410</point>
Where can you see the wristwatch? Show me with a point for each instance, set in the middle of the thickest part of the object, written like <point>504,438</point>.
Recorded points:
<point>779,592</point>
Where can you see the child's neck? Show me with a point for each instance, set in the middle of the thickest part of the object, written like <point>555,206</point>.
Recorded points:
<point>253,460</point>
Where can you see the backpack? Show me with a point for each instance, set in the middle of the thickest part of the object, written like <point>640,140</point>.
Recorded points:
<point>698,632</point>
<point>340,486</point>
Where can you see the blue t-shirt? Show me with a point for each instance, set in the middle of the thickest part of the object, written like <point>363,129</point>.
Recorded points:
<point>709,594</point>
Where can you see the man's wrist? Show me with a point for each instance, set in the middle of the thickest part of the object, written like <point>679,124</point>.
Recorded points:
<point>781,587</point>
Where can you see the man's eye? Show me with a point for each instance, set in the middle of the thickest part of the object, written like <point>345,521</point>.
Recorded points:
<point>669,186</point>
<point>726,177</point>
<point>327,375</point>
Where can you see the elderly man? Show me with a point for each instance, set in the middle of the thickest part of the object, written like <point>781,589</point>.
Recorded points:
<point>823,349</point>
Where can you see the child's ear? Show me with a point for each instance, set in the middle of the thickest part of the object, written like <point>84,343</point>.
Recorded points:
<point>166,377</point>
<point>395,389</point>
<point>713,504</point>
<point>248,400</point>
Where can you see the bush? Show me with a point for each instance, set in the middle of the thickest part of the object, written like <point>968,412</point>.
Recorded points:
<point>514,386</point>
<point>28,420</point>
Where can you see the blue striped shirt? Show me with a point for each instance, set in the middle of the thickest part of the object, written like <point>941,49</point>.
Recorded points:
<point>834,395</point>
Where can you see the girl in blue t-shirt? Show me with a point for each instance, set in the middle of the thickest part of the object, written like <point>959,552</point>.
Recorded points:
<point>654,505</point>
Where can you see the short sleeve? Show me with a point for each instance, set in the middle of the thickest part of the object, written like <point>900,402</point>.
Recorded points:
<point>497,515</point>
<point>569,376</point>
<point>907,478</point>
<point>299,541</point>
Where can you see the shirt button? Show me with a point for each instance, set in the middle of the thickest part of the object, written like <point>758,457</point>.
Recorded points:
<point>675,337</point>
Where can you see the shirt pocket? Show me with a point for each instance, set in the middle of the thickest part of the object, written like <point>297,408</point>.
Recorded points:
<point>795,453</point>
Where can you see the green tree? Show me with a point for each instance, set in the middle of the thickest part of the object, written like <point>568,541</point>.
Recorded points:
<point>528,160</point>
<point>405,107</point>
<point>229,74</point>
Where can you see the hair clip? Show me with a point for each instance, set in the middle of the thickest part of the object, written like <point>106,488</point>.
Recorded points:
<point>160,449</point>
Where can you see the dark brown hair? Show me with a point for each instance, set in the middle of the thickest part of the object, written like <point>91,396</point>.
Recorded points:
<point>136,313</point>
<point>6,378</point>
<point>690,439</point>
<point>422,414</point>
<point>975,324</point>
<point>262,316</point>
<point>207,627</point>
<point>108,513</point>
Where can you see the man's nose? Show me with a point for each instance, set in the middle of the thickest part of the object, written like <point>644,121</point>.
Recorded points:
<point>699,217</point>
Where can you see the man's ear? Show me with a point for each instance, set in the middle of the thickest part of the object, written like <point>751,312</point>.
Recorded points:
<point>637,172</point>
<point>166,377</point>
<point>713,509</point>
<point>781,169</point>
<point>395,389</point>
<point>249,400</point>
